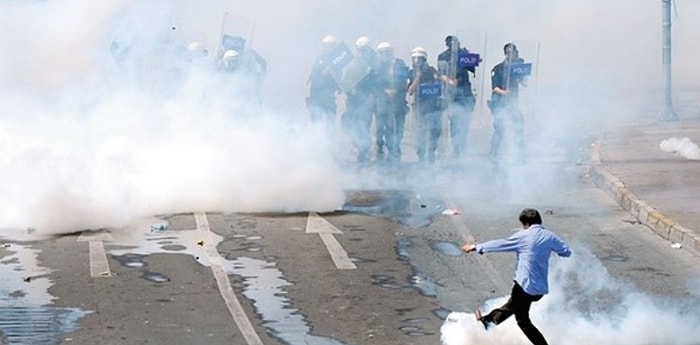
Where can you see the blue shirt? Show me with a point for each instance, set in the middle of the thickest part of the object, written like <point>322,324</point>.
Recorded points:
<point>532,248</point>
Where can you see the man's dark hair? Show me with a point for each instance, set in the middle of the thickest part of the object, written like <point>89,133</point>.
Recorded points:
<point>530,216</point>
<point>449,39</point>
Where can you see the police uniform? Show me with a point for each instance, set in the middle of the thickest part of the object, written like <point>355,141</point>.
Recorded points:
<point>391,108</point>
<point>322,90</point>
<point>360,104</point>
<point>463,101</point>
<point>505,108</point>
<point>428,110</point>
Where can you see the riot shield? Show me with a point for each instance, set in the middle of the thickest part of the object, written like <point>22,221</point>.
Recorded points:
<point>346,68</point>
<point>526,69</point>
<point>518,107</point>
<point>475,42</point>
<point>460,57</point>
<point>236,33</point>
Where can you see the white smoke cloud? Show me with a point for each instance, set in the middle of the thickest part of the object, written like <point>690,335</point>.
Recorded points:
<point>89,141</point>
<point>586,305</point>
<point>683,147</point>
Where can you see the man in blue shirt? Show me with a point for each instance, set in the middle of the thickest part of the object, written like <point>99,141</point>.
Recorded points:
<point>532,246</point>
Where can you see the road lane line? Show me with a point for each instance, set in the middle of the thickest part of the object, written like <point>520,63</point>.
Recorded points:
<point>316,224</point>
<point>224,284</point>
<point>99,266</point>
<point>338,255</point>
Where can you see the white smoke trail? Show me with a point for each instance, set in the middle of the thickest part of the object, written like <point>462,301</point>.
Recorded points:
<point>683,147</point>
<point>586,306</point>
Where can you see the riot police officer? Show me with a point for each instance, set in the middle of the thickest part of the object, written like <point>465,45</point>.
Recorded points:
<point>245,77</point>
<point>504,103</point>
<point>321,101</point>
<point>425,86</point>
<point>360,100</point>
<point>460,99</point>
<point>390,114</point>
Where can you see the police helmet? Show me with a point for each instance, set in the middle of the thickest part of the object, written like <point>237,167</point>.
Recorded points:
<point>230,55</point>
<point>362,42</point>
<point>195,47</point>
<point>383,46</point>
<point>328,40</point>
<point>419,52</point>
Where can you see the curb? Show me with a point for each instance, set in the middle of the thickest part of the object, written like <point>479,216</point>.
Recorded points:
<point>662,225</point>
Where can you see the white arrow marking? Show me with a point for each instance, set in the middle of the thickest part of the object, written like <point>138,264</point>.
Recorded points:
<point>99,266</point>
<point>316,224</point>
<point>223,282</point>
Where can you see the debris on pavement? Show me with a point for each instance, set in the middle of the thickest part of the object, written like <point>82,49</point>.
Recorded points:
<point>676,245</point>
<point>200,243</point>
<point>159,227</point>
<point>549,211</point>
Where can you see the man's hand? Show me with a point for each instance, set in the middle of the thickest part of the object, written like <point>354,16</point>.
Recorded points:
<point>468,248</point>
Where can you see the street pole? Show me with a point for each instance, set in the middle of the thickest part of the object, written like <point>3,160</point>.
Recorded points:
<point>668,113</point>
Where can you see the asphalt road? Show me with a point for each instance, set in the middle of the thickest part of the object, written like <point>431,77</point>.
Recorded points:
<point>268,279</point>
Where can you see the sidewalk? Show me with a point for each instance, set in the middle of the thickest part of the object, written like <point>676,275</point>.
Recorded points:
<point>661,189</point>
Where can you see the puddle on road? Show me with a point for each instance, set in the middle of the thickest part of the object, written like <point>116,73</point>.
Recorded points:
<point>131,260</point>
<point>413,328</point>
<point>155,277</point>
<point>404,207</point>
<point>264,286</point>
<point>446,248</point>
<point>425,284</point>
<point>26,316</point>
<point>263,282</point>
<point>419,280</point>
<point>139,261</point>
<point>130,245</point>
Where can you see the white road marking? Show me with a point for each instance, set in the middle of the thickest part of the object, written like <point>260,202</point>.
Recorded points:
<point>223,282</point>
<point>316,224</point>
<point>99,266</point>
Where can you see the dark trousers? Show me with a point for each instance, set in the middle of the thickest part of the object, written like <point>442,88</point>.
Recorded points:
<point>428,131</point>
<point>390,121</point>
<point>358,121</point>
<point>505,115</point>
<point>322,111</point>
<point>518,304</point>
<point>459,115</point>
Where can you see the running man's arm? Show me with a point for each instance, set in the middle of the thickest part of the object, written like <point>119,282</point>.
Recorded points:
<point>560,247</point>
<point>503,245</point>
